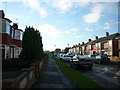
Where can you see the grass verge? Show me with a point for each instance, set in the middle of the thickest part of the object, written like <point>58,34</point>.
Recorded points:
<point>78,79</point>
<point>115,62</point>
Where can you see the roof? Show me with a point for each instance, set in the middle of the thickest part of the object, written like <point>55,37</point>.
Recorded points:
<point>102,39</point>
<point>19,30</point>
<point>110,37</point>
<point>7,19</point>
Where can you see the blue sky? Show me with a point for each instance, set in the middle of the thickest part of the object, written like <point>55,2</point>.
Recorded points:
<point>66,21</point>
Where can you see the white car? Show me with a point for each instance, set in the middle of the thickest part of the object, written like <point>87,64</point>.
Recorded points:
<point>60,56</point>
<point>81,62</point>
<point>66,57</point>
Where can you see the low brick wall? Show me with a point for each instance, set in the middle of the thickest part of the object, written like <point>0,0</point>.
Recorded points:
<point>114,58</point>
<point>25,79</point>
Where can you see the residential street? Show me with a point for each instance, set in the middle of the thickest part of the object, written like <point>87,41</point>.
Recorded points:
<point>52,77</point>
<point>105,75</point>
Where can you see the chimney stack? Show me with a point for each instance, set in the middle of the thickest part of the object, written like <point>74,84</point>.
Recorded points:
<point>96,37</point>
<point>107,34</point>
<point>15,26</point>
<point>2,15</point>
<point>89,40</point>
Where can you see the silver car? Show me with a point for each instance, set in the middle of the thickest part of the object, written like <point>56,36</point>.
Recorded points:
<point>66,57</point>
<point>81,62</point>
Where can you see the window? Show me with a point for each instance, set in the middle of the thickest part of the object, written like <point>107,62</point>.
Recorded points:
<point>5,27</point>
<point>12,33</point>
<point>98,45</point>
<point>92,46</point>
<point>18,34</point>
<point>110,43</point>
<point>21,35</point>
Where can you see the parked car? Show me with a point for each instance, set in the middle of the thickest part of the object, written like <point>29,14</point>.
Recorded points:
<point>61,55</point>
<point>102,59</point>
<point>66,57</point>
<point>81,62</point>
<point>92,56</point>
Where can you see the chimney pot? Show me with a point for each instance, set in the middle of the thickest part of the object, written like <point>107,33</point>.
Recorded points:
<point>2,15</point>
<point>89,40</point>
<point>96,37</point>
<point>15,26</point>
<point>107,34</point>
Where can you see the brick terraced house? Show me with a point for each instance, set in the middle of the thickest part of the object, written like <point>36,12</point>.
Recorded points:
<point>11,44</point>
<point>109,45</point>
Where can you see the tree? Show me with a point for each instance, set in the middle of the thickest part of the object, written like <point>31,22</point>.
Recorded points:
<point>32,47</point>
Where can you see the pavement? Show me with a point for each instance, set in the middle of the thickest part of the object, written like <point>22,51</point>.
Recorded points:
<point>53,77</point>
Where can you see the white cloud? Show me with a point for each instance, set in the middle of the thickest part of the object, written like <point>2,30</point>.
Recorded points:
<point>65,0</point>
<point>107,26</point>
<point>49,30</point>
<point>52,31</point>
<point>79,36</point>
<point>63,5</point>
<point>74,29</point>
<point>66,32</point>
<point>88,29</point>
<point>117,22</point>
<point>95,15</point>
<point>35,5</point>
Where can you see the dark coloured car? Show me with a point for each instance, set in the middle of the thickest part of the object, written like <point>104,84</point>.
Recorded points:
<point>102,59</point>
<point>79,62</point>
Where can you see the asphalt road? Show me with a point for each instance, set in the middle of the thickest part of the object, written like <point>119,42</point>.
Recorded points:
<point>107,75</point>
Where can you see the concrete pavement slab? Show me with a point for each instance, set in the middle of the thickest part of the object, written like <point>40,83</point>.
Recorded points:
<point>53,77</point>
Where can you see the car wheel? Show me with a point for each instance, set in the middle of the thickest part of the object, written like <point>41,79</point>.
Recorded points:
<point>99,62</point>
<point>74,67</point>
<point>90,68</point>
<point>70,65</point>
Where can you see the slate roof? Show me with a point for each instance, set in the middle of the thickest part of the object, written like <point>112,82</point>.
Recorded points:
<point>110,37</point>
<point>102,39</point>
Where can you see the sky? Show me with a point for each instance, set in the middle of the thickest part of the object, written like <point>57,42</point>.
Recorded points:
<point>64,23</point>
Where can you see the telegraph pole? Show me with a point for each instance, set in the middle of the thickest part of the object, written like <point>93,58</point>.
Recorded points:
<point>5,6</point>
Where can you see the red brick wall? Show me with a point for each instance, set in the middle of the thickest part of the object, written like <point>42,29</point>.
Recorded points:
<point>6,38</point>
<point>17,42</point>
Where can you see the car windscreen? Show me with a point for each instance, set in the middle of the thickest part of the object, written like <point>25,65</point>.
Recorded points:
<point>66,56</point>
<point>104,56</point>
<point>83,57</point>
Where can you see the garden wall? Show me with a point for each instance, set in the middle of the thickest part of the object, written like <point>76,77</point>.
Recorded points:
<point>114,58</point>
<point>26,79</point>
